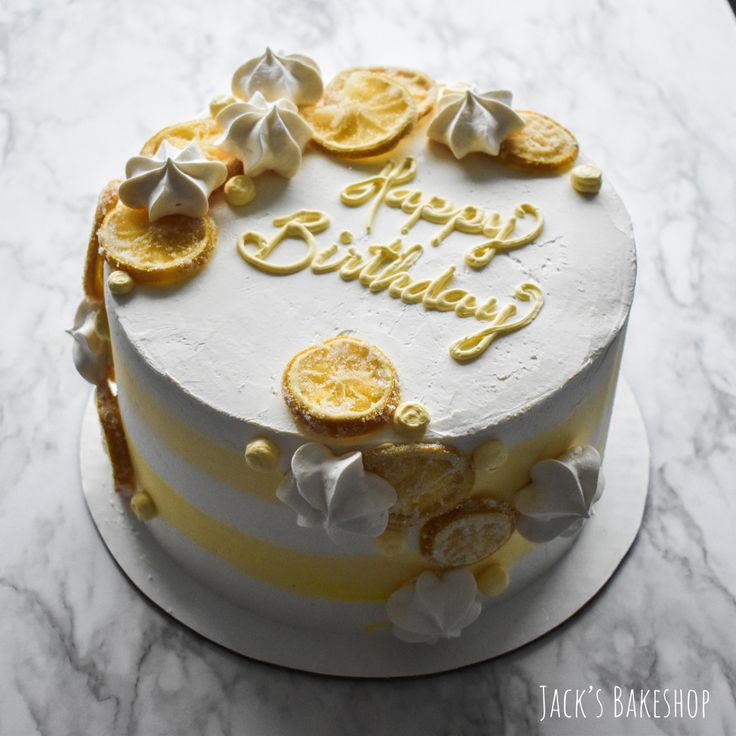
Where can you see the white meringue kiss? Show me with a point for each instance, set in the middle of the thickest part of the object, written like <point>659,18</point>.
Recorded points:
<point>265,136</point>
<point>336,494</point>
<point>561,495</point>
<point>434,607</point>
<point>469,121</point>
<point>293,76</point>
<point>172,182</point>
<point>91,351</point>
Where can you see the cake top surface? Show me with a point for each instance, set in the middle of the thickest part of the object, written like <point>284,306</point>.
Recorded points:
<point>226,335</point>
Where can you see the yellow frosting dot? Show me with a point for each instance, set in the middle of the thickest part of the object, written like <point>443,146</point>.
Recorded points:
<point>346,237</point>
<point>239,190</point>
<point>120,282</point>
<point>143,506</point>
<point>220,102</point>
<point>490,456</point>
<point>492,580</point>
<point>411,418</point>
<point>586,179</point>
<point>392,541</point>
<point>261,455</point>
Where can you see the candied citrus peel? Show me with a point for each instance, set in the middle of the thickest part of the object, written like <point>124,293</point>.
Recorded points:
<point>542,144</point>
<point>368,115</point>
<point>473,530</point>
<point>93,279</point>
<point>162,252</point>
<point>202,130</point>
<point>341,387</point>
<point>420,86</point>
<point>428,479</point>
<point>111,421</point>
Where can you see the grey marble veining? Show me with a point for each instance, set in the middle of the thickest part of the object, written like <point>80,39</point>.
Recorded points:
<point>647,87</point>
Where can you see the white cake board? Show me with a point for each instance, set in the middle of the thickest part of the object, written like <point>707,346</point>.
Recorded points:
<point>510,623</point>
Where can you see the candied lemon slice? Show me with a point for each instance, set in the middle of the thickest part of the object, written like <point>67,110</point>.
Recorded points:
<point>474,529</point>
<point>420,86</point>
<point>368,115</point>
<point>117,446</point>
<point>542,144</point>
<point>341,387</point>
<point>93,271</point>
<point>204,131</point>
<point>165,251</point>
<point>428,479</point>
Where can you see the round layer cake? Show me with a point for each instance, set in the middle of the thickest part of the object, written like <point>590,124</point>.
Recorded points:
<point>496,295</point>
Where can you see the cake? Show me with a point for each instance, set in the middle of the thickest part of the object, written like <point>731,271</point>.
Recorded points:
<point>356,345</point>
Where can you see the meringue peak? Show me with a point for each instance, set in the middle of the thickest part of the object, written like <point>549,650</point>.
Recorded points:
<point>336,493</point>
<point>91,351</point>
<point>470,121</point>
<point>291,76</point>
<point>434,606</point>
<point>174,181</point>
<point>264,135</point>
<point>561,496</point>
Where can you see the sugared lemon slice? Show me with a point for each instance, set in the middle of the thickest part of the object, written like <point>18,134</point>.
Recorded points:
<point>204,131</point>
<point>341,387</point>
<point>163,252</point>
<point>368,115</point>
<point>471,531</point>
<point>93,272</point>
<point>420,86</point>
<point>117,446</point>
<point>542,144</point>
<point>428,479</point>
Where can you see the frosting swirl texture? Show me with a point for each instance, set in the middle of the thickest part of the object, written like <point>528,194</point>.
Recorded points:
<point>561,495</point>
<point>336,494</point>
<point>91,351</point>
<point>265,136</point>
<point>473,121</point>
<point>174,181</point>
<point>434,607</point>
<point>293,76</point>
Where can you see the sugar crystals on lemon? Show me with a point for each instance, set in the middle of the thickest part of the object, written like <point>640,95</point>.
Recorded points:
<point>369,115</point>
<point>341,387</point>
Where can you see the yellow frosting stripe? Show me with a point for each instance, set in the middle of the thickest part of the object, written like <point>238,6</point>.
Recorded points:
<point>368,578</point>
<point>230,467</point>
<point>225,464</point>
<point>502,479</point>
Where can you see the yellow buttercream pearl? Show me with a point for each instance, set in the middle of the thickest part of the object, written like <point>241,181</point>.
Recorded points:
<point>492,580</point>
<point>411,418</point>
<point>586,179</point>
<point>143,506</point>
<point>239,190</point>
<point>346,237</point>
<point>490,456</point>
<point>120,283</point>
<point>220,102</point>
<point>261,455</point>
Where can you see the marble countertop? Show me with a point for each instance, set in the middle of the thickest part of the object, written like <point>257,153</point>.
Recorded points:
<point>647,87</point>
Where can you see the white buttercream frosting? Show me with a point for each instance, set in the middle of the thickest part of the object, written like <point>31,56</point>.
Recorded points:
<point>91,351</point>
<point>434,607</point>
<point>473,121</point>
<point>561,496</point>
<point>265,136</point>
<point>174,181</point>
<point>292,76</point>
<point>336,493</point>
